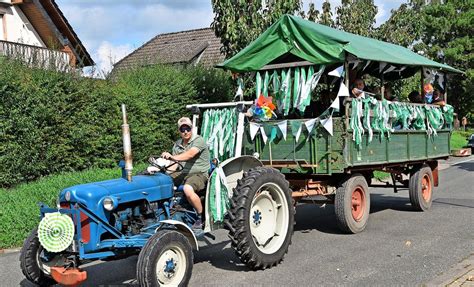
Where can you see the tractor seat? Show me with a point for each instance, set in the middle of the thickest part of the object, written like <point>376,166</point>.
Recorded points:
<point>180,188</point>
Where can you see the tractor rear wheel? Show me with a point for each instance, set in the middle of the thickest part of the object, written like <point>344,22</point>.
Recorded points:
<point>261,218</point>
<point>165,260</point>
<point>35,261</point>
<point>352,204</point>
<point>421,188</point>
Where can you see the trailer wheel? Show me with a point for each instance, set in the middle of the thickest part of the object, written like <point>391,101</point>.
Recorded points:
<point>421,188</point>
<point>35,262</point>
<point>165,260</point>
<point>261,218</point>
<point>352,204</point>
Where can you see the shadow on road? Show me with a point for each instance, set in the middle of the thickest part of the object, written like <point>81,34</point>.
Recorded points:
<point>468,166</point>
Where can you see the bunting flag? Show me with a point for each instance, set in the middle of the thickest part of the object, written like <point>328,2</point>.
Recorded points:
<point>335,104</point>
<point>327,124</point>
<point>286,91</point>
<point>273,134</point>
<point>265,84</point>
<point>310,125</point>
<point>276,88</point>
<point>343,90</point>
<point>366,65</point>
<point>338,72</point>
<point>258,86</point>
<point>264,135</point>
<point>283,128</point>
<point>296,129</point>
<point>240,92</point>
<point>390,69</point>
<point>254,127</point>
<point>296,86</point>
<point>356,63</point>
<point>382,66</point>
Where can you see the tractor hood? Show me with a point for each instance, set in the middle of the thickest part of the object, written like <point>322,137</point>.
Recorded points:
<point>148,187</point>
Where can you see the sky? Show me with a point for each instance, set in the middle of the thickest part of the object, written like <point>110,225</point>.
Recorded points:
<point>112,29</point>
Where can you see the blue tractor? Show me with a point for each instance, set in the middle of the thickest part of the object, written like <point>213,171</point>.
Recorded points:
<point>148,216</point>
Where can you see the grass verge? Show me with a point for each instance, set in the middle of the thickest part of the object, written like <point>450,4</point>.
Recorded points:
<point>459,139</point>
<point>19,210</point>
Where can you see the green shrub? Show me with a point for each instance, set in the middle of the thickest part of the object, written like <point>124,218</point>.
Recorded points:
<point>54,122</point>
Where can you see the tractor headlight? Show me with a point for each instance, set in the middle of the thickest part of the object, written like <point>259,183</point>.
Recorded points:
<point>109,203</point>
<point>67,196</point>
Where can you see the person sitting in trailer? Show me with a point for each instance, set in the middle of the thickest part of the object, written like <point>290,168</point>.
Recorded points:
<point>415,97</point>
<point>388,95</point>
<point>358,89</point>
<point>438,98</point>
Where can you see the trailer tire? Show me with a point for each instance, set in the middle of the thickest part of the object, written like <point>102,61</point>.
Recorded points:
<point>421,188</point>
<point>352,204</point>
<point>29,261</point>
<point>261,218</point>
<point>171,252</point>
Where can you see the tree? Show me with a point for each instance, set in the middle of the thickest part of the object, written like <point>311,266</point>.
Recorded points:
<point>356,16</point>
<point>447,38</point>
<point>326,16</point>
<point>238,22</point>
<point>404,26</point>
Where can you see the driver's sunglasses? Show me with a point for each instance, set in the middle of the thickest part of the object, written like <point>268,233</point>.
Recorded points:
<point>184,129</point>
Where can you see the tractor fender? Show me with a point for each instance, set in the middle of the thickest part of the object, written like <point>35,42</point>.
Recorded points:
<point>183,228</point>
<point>232,169</point>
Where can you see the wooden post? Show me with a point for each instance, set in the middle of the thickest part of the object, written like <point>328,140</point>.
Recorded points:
<point>382,88</point>
<point>346,73</point>
<point>422,79</point>
<point>445,88</point>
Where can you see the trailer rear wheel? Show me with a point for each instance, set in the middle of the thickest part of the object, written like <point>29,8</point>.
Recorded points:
<point>261,218</point>
<point>165,260</point>
<point>421,188</point>
<point>352,204</point>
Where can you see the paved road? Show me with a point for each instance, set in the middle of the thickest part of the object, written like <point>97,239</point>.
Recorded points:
<point>399,246</point>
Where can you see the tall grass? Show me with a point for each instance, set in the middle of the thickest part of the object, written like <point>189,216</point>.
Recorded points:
<point>19,209</point>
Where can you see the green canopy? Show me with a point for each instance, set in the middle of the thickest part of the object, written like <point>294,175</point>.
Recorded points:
<point>320,44</point>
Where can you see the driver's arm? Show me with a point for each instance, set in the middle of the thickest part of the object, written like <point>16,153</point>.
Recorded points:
<point>187,155</point>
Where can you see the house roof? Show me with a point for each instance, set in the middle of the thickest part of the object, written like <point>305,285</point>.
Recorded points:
<point>177,47</point>
<point>54,29</point>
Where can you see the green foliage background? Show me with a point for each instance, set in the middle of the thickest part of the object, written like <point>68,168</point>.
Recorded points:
<point>53,122</point>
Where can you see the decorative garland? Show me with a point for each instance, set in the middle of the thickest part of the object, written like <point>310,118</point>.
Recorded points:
<point>219,128</point>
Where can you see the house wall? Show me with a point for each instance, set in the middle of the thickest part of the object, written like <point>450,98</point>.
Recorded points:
<point>19,29</point>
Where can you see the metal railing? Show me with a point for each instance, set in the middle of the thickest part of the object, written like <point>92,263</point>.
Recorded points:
<point>36,57</point>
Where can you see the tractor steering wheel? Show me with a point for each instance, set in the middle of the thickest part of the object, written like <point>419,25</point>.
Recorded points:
<point>163,165</point>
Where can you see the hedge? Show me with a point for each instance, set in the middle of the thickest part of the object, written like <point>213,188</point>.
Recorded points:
<point>54,122</point>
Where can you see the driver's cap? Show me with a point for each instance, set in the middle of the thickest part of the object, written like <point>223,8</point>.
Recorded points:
<point>185,121</point>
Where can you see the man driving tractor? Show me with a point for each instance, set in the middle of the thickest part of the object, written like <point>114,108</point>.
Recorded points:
<point>191,150</point>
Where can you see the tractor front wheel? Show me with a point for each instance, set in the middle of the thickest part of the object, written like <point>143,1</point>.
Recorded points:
<point>261,218</point>
<point>35,261</point>
<point>165,260</point>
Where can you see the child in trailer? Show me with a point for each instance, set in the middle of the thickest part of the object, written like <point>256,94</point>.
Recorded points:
<point>438,98</point>
<point>415,97</point>
<point>358,89</point>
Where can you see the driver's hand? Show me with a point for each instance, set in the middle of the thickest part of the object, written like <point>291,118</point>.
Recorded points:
<point>166,155</point>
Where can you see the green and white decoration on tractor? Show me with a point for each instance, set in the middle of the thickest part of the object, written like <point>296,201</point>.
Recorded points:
<point>56,232</point>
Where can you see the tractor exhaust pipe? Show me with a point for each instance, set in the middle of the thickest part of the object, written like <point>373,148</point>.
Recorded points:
<point>127,145</point>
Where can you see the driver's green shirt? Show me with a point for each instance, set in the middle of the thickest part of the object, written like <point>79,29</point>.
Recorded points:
<point>201,162</point>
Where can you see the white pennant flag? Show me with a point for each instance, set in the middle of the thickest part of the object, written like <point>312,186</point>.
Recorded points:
<point>337,72</point>
<point>310,125</point>
<point>343,90</point>
<point>283,128</point>
<point>253,129</point>
<point>327,124</point>
<point>335,104</point>
<point>366,65</point>
<point>356,63</point>
<point>391,68</point>
<point>264,135</point>
<point>298,133</point>
<point>382,66</point>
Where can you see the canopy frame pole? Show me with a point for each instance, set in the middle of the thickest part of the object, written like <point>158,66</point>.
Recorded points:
<point>422,82</point>
<point>346,72</point>
<point>445,77</point>
<point>382,87</point>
